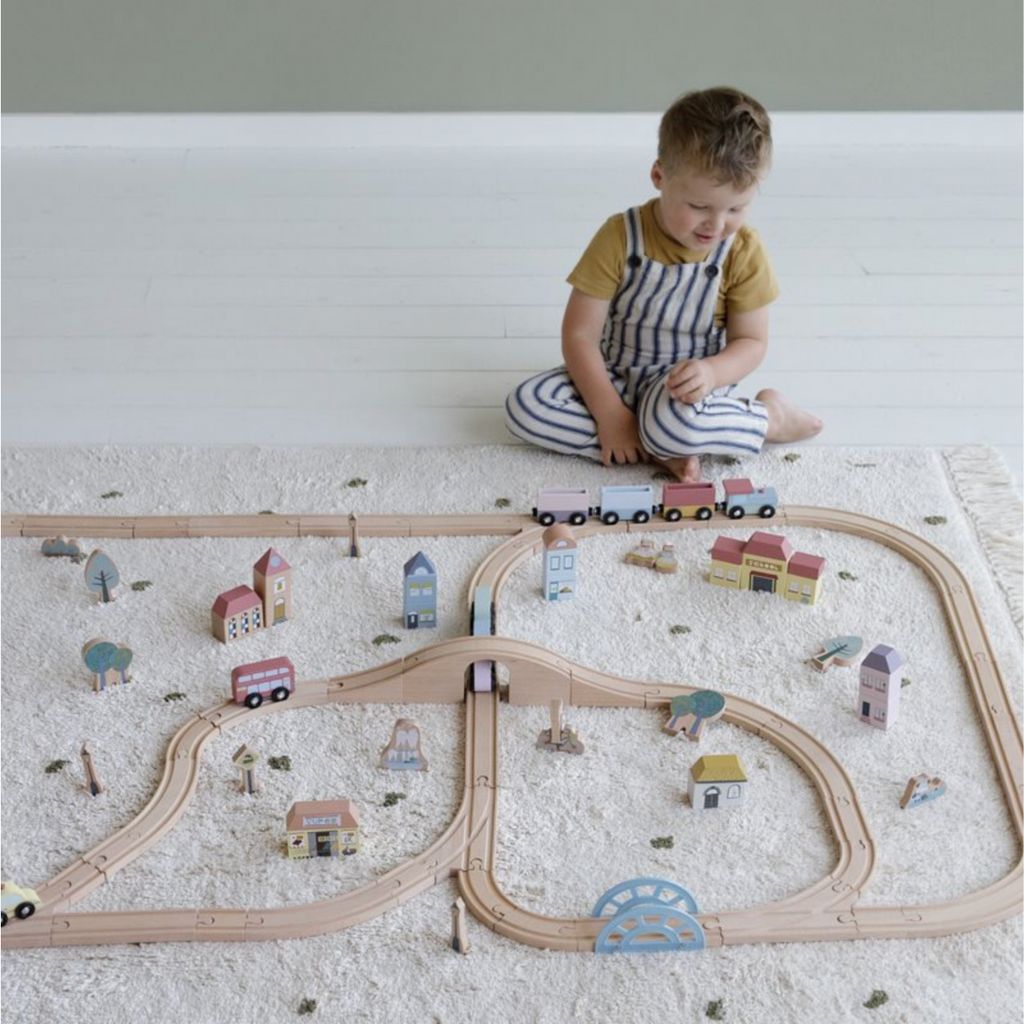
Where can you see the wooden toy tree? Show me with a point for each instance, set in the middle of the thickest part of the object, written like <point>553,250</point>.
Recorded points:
<point>842,650</point>
<point>101,575</point>
<point>103,658</point>
<point>692,713</point>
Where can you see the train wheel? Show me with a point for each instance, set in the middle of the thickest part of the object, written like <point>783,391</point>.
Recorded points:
<point>767,511</point>
<point>254,700</point>
<point>703,514</point>
<point>610,518</point>
<point>577,519</point>
<point>545,519</point>
<point>281,693</point>
<point>25,909</point>
<point>641,517</point>
<point>736,512</point>
<point>673,515</point>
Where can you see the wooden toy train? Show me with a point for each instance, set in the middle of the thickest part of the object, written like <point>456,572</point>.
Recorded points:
<point>636,503</point>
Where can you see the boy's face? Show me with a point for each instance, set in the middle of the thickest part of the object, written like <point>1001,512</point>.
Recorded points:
<point>695,210</point>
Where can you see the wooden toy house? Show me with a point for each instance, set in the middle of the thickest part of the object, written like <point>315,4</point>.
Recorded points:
<point>268,602</point>
<point>717,781</point>
<point>768,563</point>
<point>419,603</point>
<point>881,679</point>
<point>559,562</point>
<point>322,828</point>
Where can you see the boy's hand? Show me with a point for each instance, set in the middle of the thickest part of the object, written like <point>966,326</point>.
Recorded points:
<point>691,380</point>
<point>619,438</point>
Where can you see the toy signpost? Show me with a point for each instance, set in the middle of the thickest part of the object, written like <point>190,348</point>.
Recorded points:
<point>245,759</point>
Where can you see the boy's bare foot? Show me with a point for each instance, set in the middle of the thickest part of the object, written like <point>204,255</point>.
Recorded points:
<point>686,469</point>
<point>786,422</point>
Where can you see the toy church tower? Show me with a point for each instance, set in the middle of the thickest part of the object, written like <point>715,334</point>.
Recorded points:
<point>272,580</point>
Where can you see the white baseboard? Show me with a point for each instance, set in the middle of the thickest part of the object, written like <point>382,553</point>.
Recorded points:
<point>318,131</point>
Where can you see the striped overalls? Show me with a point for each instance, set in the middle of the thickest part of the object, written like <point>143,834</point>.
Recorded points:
<point>659,316</point>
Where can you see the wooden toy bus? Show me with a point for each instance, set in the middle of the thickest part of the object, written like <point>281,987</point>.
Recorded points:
<point>254,682</point>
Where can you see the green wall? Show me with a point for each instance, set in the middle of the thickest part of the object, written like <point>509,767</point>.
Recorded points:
<point>144,56</point>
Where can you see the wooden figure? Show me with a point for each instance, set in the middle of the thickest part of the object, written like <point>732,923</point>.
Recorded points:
<point>567,742</point>
<point>839,650</point>
<point>643,555</point>
<point>419,604</point>
<point>323,828</point>
<point>403,751</point>
<point>881,679</point>
<point>459,941</point>
<point>717,782</point>
<point>101,575</point>
<point>245,760</point>
<point>766,562</point>
<point>692,713</point>
<point>559,563</point>
<point>91,778</point>
<point>55,547</point>
<point>920,789</point>
<point>666,561</point>
<point>353,536</point>
<point>107,661</point>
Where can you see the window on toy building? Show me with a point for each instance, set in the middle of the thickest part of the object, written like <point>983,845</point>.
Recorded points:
<point>279,585</point>
<point>568,562</point>
<point>807,590</point>
<point>793,587</point>
<point>719,574</point>
<point>733,576</point>
<point>556,562</point>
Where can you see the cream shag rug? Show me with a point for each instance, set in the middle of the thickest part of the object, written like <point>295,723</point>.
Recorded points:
<point>569,827</point>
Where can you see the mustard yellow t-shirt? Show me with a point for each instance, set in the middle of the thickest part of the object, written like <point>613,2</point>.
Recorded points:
<point>748,281</point>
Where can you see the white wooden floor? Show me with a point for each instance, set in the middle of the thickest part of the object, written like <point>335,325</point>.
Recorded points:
<point>385,296</point>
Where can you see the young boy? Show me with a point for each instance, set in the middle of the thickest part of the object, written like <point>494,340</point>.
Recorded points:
<point>669,311</point>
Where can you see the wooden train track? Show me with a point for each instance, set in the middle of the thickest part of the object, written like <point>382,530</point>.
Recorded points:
<point>827,910</point>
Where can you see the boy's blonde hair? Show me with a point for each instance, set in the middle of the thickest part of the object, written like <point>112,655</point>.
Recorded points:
<point>722,133</point>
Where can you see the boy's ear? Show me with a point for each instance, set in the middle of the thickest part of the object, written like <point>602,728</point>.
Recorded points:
<point>657,175</point>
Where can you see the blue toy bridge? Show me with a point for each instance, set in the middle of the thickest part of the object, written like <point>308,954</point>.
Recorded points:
<point>648,915</point>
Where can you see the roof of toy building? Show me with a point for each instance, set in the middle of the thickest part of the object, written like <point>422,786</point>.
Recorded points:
<point>271,563</point>
<point>769,545</point>
<point>558,533</point>
<point>419,563</point>
<point>808,566</point>
<point>883,659</point>
<point>321,809</point>
<point>727,549</point>
<point>737,486</point>
<point>718,768</point>
<point>231,602</point>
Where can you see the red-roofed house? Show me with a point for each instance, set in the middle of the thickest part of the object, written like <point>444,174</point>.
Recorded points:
<point>244,610</point>
<point>766,562</point>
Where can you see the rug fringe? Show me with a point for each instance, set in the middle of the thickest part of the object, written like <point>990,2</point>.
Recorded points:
<point>985,485</point>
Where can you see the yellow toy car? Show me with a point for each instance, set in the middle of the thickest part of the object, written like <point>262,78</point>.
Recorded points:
<point>14,899</point>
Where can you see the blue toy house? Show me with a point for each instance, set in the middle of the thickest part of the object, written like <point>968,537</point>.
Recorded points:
<point>559,563</point>
<point>419,605</point>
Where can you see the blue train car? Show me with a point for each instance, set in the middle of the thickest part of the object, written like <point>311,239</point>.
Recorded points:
<point>483,612</point>
<point>742,497</point>
<point>634,502</point>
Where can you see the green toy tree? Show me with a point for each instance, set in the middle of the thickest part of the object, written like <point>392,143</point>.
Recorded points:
<point>98,658</point>
<point>121,660</point>
<point>701,706</point>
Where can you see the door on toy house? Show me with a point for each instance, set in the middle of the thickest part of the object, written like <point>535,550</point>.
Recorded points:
<point>711,798</point>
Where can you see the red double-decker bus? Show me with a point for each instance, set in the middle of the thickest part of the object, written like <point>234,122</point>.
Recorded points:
<point>272,678</point>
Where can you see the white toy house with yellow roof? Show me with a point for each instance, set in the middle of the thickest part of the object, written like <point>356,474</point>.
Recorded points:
<point>717,782</point>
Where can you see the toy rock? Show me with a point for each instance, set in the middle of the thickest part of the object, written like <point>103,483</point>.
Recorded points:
<point>403,749</point>
<point>55,547</point>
